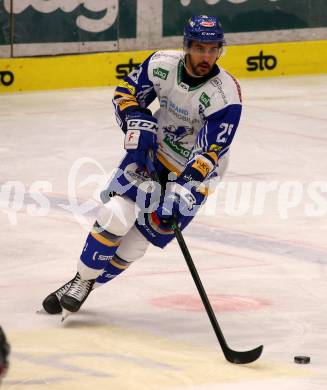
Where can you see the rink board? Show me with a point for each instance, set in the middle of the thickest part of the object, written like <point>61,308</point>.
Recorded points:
<point>104,69</point>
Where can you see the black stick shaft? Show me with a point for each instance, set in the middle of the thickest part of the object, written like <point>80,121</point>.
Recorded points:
<point>200,287</point>
<point>194,273</point>
<point>237,357</point>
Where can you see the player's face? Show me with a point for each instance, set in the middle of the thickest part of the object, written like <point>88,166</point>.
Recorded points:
<point>201,57</point>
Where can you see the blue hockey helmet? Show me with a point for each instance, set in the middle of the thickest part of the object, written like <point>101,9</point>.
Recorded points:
<point>203,28</point>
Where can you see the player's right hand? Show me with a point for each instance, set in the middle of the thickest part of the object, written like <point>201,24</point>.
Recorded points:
<point>141,135</point>
<point>179,201</point>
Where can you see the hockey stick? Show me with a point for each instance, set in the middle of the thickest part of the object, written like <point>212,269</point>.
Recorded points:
<point>236,357</point>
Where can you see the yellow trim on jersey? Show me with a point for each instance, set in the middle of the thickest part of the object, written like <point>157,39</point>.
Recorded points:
<point>117,265</point>
<point>213,155</point>
<point>128,86</point>
<point>167,164</point>
<point>123,94</point>
<point>103,240</point>
<point>125,103</point>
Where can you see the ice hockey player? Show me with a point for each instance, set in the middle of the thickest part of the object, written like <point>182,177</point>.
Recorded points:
<point>190,134</point>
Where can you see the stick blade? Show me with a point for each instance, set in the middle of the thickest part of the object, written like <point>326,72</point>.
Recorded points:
<point>243,357</point>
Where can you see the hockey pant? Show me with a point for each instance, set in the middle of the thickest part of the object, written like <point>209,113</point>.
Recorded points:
<point>125,226</point>
<point>129,181</point>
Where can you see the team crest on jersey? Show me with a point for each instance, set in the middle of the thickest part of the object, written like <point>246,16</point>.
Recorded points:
<point>179,132</point>
<point>205,100</point>
<point>161,73</point>
<point>174,136</point>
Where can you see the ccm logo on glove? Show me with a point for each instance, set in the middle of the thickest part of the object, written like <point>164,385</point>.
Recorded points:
<point>141,135</point>
<point>140,124</point>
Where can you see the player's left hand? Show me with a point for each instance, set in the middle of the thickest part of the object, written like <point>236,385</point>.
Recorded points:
<point>141,135</point>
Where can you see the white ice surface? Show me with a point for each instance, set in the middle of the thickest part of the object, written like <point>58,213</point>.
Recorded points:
<point>139,331</point>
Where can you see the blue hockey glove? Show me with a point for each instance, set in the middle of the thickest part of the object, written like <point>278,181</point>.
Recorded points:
<point>179,201</point>
<point>182,197</point>
<point>141,135</point>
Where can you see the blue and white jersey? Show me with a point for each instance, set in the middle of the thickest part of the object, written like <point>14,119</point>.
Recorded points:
<point>193,121</point>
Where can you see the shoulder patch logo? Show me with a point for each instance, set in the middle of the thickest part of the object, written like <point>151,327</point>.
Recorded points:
<point>216,82</point>
<point>161,73</point>
<point>184,86</point>
<point>205,100</point>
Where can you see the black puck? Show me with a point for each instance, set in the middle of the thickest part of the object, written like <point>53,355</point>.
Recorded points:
<point>302,359</point>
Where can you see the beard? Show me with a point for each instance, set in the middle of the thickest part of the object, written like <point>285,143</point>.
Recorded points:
<point>200,69</point>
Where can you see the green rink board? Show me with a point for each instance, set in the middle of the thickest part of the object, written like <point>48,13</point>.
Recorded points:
<point>249,15</point>
<point>5,37</point>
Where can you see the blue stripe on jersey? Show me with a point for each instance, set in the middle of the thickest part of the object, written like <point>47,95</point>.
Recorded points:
<point>219,130</point>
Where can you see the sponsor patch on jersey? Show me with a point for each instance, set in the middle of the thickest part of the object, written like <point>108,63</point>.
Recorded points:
<point>180,113</point>
<point>205,100</point>
<point>201,166</point>
<point>184,86</point>
<point>161,73</point>
<point>216,82</point>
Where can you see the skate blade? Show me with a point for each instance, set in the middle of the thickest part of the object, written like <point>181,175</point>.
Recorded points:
<point>65,314</point>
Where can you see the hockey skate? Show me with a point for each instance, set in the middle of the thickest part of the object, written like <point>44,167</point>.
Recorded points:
<point>51,303</point>
<point>74,297</point>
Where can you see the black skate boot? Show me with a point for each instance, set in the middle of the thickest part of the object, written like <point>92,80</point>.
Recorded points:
<point>51,303</point>
<point>77,293</point>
